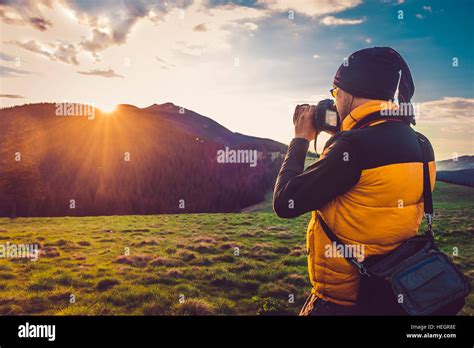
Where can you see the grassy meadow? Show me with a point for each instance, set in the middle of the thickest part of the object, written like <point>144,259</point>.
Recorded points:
<point>250,263</point>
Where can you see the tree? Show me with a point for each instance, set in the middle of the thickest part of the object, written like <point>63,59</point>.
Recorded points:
<point>20,183</point>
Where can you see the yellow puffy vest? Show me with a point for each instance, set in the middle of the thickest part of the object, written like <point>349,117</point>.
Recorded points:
<point>381,211</point>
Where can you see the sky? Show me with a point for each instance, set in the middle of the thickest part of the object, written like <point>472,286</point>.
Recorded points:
<point>245,64</point>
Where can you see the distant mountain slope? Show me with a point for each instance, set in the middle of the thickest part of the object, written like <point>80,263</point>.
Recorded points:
<point>133,161</point>
<point>458,171</point>
<point>463,162</point>
<point>460,177</point>
<point>205,127</point>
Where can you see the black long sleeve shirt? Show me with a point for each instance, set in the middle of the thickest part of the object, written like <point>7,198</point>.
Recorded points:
<point>298,191</point>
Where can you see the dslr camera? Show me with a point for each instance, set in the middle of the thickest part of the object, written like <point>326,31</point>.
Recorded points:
<point>325,117</point>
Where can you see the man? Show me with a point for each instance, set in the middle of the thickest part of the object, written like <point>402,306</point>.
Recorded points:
<point>367,184</point>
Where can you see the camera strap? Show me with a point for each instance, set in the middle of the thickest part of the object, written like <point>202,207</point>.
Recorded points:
<point>427,196</point>
<point>427,207</point>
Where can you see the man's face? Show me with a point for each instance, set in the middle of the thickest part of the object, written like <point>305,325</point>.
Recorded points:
<point>343,103</point>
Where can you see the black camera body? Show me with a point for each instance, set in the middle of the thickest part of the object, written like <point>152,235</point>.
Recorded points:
<point>325,117</point>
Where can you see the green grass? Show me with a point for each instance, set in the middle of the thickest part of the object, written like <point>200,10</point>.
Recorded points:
<point>183,264</point>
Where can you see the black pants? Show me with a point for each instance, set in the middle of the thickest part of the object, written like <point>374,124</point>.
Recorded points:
<point>317,306</point>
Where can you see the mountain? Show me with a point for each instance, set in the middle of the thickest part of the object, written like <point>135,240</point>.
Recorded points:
<point>463,177</point>
<point>459,163</point>
<point>458,171</point>
<point>205,127</point>
<point>159,159</point>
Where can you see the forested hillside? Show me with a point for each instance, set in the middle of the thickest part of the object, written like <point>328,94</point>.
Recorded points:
<point>133,161</point>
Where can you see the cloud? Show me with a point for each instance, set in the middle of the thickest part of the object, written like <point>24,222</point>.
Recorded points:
<point>102,39</point>
<point>427,9</point>
<point>25,12</point>
<point>188,48</point>
<point>12,72</point>
<point>112,21</point>
<point>164,64</point>
<point>40,23</point>
<point>98,42</point>
<point>11,96</point>
<point>333,21</point>
<point>110,73</point>
<point>200,27</point>
<point>32,46</point>
<point>6,57</point>
<point>250,26</point>
<point>448,110</point>
<point>310,8</point>
<point>457,129</point>
<point>62,51</point>
<point>66,53</point>
<point>222,22</point>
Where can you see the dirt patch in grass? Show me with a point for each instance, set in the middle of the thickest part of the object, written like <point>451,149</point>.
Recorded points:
<point>277,290</point>
<point>60,296</point>
<point>262,246</point>
<point>250,234</point>
<point>262,255</point>
<point>281,250</point>
<point>276,228</point>
<point>203,248</point>
<point>170,251</point>
<point>6,276</point>
<point>166,261</point>
<point>174,273</point>
<point>78,257</point>
<point>185,255</point>
<point>225,246</point>
<point>49,252</point>
<point>205,240</point>
<point>146,242</point>
<point>201,261</point>
<point>133,260</point>
<point>155,309</point>
<point>242,267</point>
<point>59,243</point>
<point>194,307</point>
<point>223,258</point>
<point>297,280</point>
<point>106,284</point>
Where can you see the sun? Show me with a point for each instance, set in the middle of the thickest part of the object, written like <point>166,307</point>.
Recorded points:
<point>108,108</point>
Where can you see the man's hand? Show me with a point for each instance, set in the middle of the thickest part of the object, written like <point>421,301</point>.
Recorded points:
<point>303,121</point>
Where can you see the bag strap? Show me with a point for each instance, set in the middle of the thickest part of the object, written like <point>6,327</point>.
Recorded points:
<point>427,207</point>
<point>427,197</point>
<point>335,239</point>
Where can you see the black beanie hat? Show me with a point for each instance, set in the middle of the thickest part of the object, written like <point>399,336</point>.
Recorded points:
<point>373,73</point>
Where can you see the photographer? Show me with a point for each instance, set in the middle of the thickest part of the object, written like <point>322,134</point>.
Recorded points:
<point>367,184</point>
